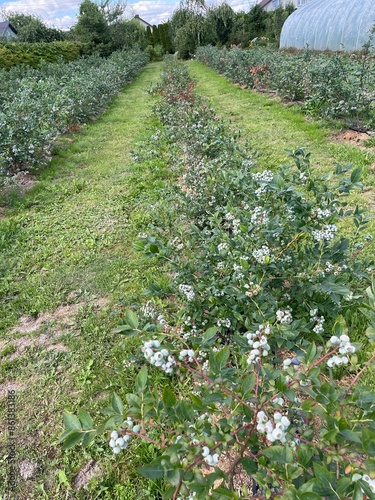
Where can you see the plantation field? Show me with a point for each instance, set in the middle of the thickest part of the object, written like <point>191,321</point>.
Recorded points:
<point>170,222</point>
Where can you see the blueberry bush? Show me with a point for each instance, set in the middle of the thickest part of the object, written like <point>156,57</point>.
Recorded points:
<point>38,105</point>
<point>260,339</point>
<point>331,86</point>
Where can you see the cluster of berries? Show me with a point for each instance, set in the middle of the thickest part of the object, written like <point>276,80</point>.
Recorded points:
<point>210,460</point>
<point>259,343</point>
<point>158,357</point>
<point>119,443</point>
<point>274,430</point>
<point>345,347</point>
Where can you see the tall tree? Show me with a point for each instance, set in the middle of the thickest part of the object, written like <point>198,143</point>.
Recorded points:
<point>257,19</point>
<point>113,10</point>
<point>221,19</point>
<point>92,27</point>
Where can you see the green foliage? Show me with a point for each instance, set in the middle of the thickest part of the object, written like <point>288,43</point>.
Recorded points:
<point>193,25</point>
<point>103,30</point>
<point>331,86</point>
<point>31,29</point>
<point>17,53</point>
<point>257,19</point>
<point>39,105</point>
<point>275,21</point>
<point>260,276</point>
<point>221,18</point>
<point>92,28</point>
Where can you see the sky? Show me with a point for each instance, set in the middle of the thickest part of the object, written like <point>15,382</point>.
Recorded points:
<point>62,14</point>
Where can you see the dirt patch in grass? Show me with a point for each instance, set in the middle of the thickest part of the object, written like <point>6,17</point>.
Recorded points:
<point>63,314</point>
<point>28,325</point>
<point>353,137</point>
<point>10,386</point>
<point>90,470</point>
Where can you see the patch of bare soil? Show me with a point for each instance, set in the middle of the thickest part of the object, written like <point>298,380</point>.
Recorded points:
<point>353,137</point>
<point>10,386</point>
<point>90,470</point>
<point>26,182</point>
<point>63,314</point>
<point>240,477</point>
<point>28,470</point>
<point>27,325</point>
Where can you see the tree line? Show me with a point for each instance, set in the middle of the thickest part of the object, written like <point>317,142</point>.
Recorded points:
<point>102,27</point>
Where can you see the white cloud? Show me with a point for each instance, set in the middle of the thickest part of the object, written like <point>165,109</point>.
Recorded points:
<point>63,13</point>
<point>57,13</point>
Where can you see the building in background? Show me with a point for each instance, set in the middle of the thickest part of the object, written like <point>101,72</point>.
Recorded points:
<point>7,31</point>
<point>142,22</point>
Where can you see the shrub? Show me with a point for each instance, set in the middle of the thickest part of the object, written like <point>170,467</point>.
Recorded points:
<point>261,283</point>
<point>332,86</point>
<point>39,105</point>
<point>32,54</point>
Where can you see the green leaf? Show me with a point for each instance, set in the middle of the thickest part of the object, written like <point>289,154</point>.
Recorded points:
<point>141,380</point>
<point>209,334</point>
<point>85,419</point>
<point>222,357</point>
<point>309,496</point>
<point>117,404</point>
<point>153,249</point>
<point>351,436</point>
<point>125,330</point>
<point>331,435</point>
<point>279,454</point>
<point>63,479</point>
<point>249,465</point>
<point>160,467</point>
<point>358,492</point>
<point>343,485</point>
<point>71,422</point>
<point>169,397</point>
<point>215,397</point>
<point>88,439</point>
<point>304,454</point>
<point>248,385</point>
<point>281,383</point>
<point>368,442</point>
<point>174,476</point>
<point>311,353</point>
<point>74,438</point>
<point>139,246</point>
<point>222,493</point>
<point>324,476</point>
<point>153,471</point>
<point>131,319</point>
<point>356,175</point>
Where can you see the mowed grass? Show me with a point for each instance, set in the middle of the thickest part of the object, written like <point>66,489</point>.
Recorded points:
<point>271,127</point>
<point>67,258</point>
<point>66,264</point>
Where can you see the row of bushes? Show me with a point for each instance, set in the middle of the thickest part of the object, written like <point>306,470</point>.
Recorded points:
<point>331,86</point>
<point>31,54</point>
<point>260,285</point>
<point>43,103</point>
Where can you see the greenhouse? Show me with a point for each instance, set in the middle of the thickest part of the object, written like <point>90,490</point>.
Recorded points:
<point>330,25</point>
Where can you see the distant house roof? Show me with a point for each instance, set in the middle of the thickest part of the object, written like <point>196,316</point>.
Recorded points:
<point>4,25</point>
<point>142,21</point>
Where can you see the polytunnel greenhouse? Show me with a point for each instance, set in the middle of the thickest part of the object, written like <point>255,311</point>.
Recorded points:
<point>330,25</point>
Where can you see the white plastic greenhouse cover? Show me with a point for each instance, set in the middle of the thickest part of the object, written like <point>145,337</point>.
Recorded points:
<point>329,25</point>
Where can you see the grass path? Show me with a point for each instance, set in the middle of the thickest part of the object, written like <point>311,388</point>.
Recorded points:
<point>272,127</point>
<point>65,247</point>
